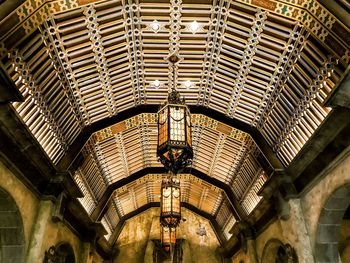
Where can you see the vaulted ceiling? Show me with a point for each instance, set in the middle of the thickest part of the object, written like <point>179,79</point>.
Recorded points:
<point>92,74</point>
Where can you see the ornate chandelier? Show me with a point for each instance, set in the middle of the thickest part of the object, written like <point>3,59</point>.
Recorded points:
<point>174,149</point>
<point>170,208</point>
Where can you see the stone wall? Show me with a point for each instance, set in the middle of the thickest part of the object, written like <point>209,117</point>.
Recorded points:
<point>300,230</point>
<point>240,256</point>
<point>26,201</point>
<point>133,239</point>
<point>59,233</point>
<point>138,230</point>
<point>32,210</point>
<point>314,200</point>
<point>344,240</point>
<point>202,248</point>
<point>273,231</point>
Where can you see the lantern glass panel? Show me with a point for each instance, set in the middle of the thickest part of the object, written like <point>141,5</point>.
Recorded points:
<point>176,200</point>
<point>170,202</point>
<point>177,123</point>
<point>163,126</point>
<point>168,235</point>
<point>166,201</point>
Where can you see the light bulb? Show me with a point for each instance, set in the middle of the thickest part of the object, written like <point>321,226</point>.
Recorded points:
<point>188,84</point>
<point>156,83</point>
<point>155,26</point>
<point>194,26</point>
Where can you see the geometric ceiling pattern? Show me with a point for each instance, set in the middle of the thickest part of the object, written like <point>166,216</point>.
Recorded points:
<point>268,64</point>
<point>220,151</point>
<point>92,62</point>
<point>146,189</point>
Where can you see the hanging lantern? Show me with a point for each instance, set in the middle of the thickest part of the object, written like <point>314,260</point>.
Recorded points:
<point>170,210</point>
<point>168,237</point>
<point>174,149</point>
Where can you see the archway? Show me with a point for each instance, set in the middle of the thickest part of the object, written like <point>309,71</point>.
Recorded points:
<point>328,229</point>
<point>11,230</point>
<point>277,252</point>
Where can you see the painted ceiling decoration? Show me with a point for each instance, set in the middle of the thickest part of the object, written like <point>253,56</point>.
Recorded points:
<point>267,64</point>
<point>220,151</point>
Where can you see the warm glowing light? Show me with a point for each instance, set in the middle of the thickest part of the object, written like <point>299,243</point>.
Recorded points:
<point>174,147</point>
<point>188,84</point>
<point>155,26</point>
<point>170,208</point>
<point>156,83</point>
<point>194,26</point>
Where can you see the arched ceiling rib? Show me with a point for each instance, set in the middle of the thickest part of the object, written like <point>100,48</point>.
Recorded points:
<point>98,210</point>
<point>223,156</point>
<point>92,62</point>
<point>68,160</point>
<point>146,190</point>
<point>220,151</point>
<point>313,15</point>
<point>222,236</point>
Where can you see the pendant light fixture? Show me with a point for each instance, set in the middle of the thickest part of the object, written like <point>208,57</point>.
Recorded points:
<point>174,149</point>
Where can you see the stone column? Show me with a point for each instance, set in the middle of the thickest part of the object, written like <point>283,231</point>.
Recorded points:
<point>36,241</point>
<point>295,232</point>
<point>85,255</point>
<point>251,251</point>
<point>186,252</point>
<point>149,252</point>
